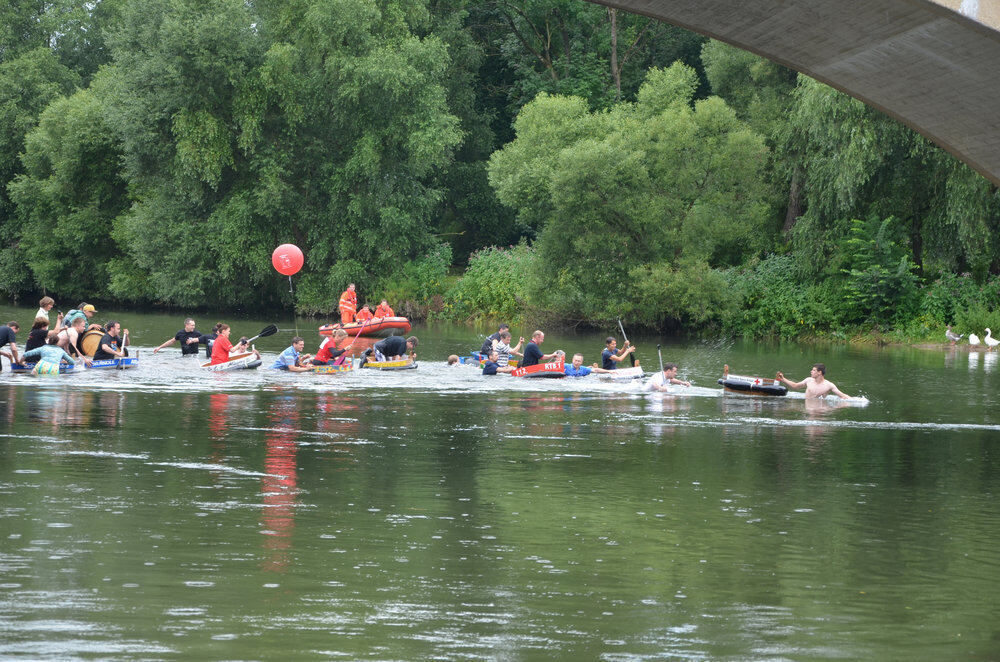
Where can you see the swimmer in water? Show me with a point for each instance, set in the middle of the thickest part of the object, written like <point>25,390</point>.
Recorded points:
<point>817,385</point>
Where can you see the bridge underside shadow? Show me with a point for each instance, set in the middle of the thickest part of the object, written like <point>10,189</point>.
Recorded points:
<point>933,65</point>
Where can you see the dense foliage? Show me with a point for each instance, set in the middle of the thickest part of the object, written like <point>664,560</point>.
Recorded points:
<point>546,159</point>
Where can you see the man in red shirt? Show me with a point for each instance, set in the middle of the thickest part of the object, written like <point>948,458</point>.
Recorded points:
<point>384,310</point>
<point>348,305</point>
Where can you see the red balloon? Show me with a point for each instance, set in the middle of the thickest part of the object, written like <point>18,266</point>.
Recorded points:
<point>287,259</point>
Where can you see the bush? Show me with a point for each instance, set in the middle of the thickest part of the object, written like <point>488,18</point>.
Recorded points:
<point>416,289</point>
<point>496,284</point>
<point>690,295</point>
<point>976,320</point>
<point>774,302</point>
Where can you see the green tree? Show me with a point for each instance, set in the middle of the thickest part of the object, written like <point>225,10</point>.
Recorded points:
<point>68,197</point>
<point>28,84</point>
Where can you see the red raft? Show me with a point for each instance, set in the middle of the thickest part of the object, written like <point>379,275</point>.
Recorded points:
<point>553,369</point>
<point>380,327</point>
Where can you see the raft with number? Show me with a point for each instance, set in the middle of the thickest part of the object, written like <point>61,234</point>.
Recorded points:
<point>382,327</point>
<point>247,361</point>
<point>347,366</point>
<point>554,369</point>
<point>746,385</point>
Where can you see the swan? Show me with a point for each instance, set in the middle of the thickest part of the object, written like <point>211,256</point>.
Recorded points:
<point>973,340</point>
<point>990,341</point>
<point>952,336</point>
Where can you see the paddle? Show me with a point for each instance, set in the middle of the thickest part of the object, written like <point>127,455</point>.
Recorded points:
<point>660,355</point>
<point>631,356</point>
<point>121,363</point>
<point>269,330</point>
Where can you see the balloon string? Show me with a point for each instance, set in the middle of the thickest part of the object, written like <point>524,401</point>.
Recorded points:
<point>290,285</point>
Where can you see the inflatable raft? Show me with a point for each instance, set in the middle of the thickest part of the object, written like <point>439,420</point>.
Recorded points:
<point>402,364</point>
<point>621,374</point>
<point>381,327</point>
<point>553,369</point>
<point>751,385</point>
<point>247,361</point>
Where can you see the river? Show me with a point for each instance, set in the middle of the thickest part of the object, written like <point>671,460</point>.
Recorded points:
<point>164,513</point>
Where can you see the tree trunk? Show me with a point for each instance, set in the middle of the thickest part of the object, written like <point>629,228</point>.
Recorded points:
<point>794,202</point>
<point>616,74</point>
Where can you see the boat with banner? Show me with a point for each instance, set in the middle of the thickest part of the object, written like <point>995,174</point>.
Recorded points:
<point>554,369</point>
<point>746,385</point>
<point>103,364</point>
<point>381,327</point>
<point>247,361</point>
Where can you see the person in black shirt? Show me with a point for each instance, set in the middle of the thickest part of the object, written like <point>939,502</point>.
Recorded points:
<point>533,353</point>
<point>609,359</point>
<point>38,334</point>
<point>188,337</point>
<point>8,337</point>
<point>492,366</point>
<point>394,348</point>
<point>488,343</point>
<point>109,346</point>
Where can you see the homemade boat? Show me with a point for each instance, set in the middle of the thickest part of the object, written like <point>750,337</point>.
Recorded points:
<point>346,366</point>
<point>105,364</point>
<point>554,369</point>
<point>621,374</point>
<point>247,361</point>
<point>745,385</point>
<point>402,364</point>
<point>381,327</point>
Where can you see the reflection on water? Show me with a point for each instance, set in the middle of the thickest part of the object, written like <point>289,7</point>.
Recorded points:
<point>989,361</point>
<point>442,515</point>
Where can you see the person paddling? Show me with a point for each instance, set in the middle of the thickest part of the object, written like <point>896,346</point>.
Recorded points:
<point>110,347</point>
<point>817,385</point>
<point>609,360</point>
<point>222,346</point>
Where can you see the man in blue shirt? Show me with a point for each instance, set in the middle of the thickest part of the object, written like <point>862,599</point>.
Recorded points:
<point>7,337</point>
<point>577,369</point>
<point>608,357</point>
<point>492,365</point>
<point>292,358</point>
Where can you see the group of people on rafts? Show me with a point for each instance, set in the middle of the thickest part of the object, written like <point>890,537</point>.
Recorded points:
<point>50,345</point>
<point>499,353</point>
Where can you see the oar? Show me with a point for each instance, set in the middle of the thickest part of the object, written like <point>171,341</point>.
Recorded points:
<point>660,355</point>
<point>269,330</point>
<point>121,364</point>
<point>631,356</point>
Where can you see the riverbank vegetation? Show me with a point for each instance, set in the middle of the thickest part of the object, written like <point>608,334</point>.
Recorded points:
<point>570,163</point>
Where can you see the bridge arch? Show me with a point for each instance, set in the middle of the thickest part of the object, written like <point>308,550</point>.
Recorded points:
<point>934,65</point>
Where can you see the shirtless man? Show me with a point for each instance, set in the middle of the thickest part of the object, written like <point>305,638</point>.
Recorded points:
<point>817,385</point>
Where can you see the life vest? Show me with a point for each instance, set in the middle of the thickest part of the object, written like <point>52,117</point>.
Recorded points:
<point>348,301</point>
<point>363,315</point>
<point>384,311</point>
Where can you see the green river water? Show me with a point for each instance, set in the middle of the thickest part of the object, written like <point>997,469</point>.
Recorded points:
<point>165,513</point>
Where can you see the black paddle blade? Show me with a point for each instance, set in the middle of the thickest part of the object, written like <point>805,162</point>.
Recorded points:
<point>268,331</point>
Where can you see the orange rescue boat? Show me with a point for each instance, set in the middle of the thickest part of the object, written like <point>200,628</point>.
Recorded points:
<point>379,326</point>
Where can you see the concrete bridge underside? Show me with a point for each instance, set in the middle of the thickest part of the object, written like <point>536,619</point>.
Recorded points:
<point>932,64</point>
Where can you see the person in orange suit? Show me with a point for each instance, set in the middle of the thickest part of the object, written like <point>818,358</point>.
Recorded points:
<point>364,314</point>
<point>348,305</point>
<point>384,310</point>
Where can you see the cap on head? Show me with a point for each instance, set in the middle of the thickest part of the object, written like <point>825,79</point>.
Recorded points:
<point>89,308</point>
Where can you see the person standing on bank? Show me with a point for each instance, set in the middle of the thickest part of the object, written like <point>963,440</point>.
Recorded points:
<point>188,337</point>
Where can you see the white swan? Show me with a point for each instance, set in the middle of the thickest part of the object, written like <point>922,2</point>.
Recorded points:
<point>990,341</point>
<point>973,340</point>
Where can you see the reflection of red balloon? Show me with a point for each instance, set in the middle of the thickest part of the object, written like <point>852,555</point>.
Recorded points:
<point>287,259</point>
